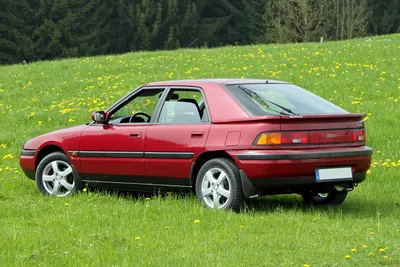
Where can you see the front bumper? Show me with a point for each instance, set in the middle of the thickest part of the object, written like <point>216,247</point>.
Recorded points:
<point>27,162</point>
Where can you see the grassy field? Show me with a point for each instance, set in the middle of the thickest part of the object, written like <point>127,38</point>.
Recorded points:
<point>100,229</point>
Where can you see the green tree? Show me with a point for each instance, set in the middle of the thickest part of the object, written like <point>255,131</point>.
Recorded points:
<point>15,31</point>
<point>385,16</point>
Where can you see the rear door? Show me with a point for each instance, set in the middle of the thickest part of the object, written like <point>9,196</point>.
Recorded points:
<point>178,135</point>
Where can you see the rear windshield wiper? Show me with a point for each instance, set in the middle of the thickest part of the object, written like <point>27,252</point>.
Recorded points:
<point>266,101</point>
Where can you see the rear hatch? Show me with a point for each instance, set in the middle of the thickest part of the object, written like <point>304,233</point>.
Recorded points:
<point>327,129</point>
<point>312,131</point>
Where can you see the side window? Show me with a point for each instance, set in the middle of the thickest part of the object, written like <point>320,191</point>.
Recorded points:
<point>139,108</point>
<point>184,106</point>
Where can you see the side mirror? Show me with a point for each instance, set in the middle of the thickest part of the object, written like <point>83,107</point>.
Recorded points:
<point>99,116</point>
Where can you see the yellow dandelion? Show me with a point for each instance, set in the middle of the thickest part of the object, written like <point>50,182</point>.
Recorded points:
<point>166,227</point>
<point>8,156</point>
<point>353,250</point>
<point>382,250</point>
<point>369,172</point>
<point>385,258</point>
<point>397,230</point>
<point>147,199</point>
<point>196,221</point>
<point>137,238</point>
<point>347,257</point>
<point>306,265</point>
<point>85,189</point>
<point>242,227</point>
<point>371,254</point>
<point>365,246</point>
<point>66,204</point>
<point>371,233</point>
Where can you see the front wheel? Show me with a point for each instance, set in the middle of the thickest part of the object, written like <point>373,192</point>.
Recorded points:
<point>218,185</point>
<point>333,197</point>
<point>55,176</point>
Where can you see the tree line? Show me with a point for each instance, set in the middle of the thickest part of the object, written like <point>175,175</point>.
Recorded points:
<point>34,30</point>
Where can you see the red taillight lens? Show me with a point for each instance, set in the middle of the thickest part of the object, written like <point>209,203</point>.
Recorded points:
<point>285,138</point>
<point>359,135</point>
<point>295,138</point>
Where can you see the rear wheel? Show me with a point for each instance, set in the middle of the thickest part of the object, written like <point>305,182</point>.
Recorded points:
<point>333,197</point>
<point>218,185</point>
<point>55,176</point>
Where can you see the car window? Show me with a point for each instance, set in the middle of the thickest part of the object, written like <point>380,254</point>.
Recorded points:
<point>281,99</point>
<point>183,106</point>
<point>139,108</point>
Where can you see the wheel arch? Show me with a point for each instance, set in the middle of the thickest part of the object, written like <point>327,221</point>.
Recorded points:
<point>203,158</point>
<point>249,190</point>
<point>46,150</point>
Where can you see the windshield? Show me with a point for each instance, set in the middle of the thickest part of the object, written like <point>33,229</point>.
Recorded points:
<point>281,99</point>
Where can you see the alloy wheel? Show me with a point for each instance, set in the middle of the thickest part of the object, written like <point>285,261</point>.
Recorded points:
<point>216,188</point>
<point>58,178</point>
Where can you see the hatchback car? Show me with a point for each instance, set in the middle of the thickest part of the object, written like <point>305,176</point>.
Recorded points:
<point>225,139</point>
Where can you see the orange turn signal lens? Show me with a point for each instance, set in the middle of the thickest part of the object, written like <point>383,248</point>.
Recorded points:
<point>269,139</point>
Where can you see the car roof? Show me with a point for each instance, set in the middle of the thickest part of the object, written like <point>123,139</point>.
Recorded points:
<point>199,82</point>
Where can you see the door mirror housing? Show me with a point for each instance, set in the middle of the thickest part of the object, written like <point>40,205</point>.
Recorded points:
<point>99,117</point>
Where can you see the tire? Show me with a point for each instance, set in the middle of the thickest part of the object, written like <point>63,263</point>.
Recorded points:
<point>333,197</point>
<point>55,176</point>
<point>219,180</point>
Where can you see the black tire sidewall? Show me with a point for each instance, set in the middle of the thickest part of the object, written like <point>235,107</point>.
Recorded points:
<point>44,162</point>
<point>236,201</point>
<point>334,198</point>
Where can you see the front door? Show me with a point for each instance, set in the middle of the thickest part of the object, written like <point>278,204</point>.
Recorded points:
<point>177,136</point>
<point>113,153</point>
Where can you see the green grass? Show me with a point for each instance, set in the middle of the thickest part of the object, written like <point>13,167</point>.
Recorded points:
<point>100,229</point>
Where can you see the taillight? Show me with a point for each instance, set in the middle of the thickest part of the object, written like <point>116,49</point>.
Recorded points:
<point>295,138</point>
<point>269,139</point>
<point>359,135</point>
<point>285,138</point>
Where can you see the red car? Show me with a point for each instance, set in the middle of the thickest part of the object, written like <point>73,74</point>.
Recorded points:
<point>226,139</point>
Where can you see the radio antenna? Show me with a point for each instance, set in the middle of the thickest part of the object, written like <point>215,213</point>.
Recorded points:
<point>185,48</point>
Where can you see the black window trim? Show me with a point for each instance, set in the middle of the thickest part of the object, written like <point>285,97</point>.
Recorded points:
<point>180,87</point>
<point>123,101</point>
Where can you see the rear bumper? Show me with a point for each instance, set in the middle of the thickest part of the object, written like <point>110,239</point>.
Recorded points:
<point>244,155</point>
<point>295,169</point>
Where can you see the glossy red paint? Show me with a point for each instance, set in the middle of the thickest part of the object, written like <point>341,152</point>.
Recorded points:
<point>64,140</point>
<point>174,138</point>
<point>112,138</point>
<point>264,169</point>
<point>123,152</point>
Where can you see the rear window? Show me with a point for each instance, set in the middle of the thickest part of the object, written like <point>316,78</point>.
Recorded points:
<point>280,99</point>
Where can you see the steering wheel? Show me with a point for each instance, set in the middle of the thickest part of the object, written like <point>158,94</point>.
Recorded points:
<point>140,113</point>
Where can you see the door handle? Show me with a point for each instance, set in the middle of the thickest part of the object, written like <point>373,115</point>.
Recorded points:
<point>135,135</point>
<point>197,134</point>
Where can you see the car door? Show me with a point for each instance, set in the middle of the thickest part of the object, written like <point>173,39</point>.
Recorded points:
<point>113,153</point>
<point>177,136</point>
